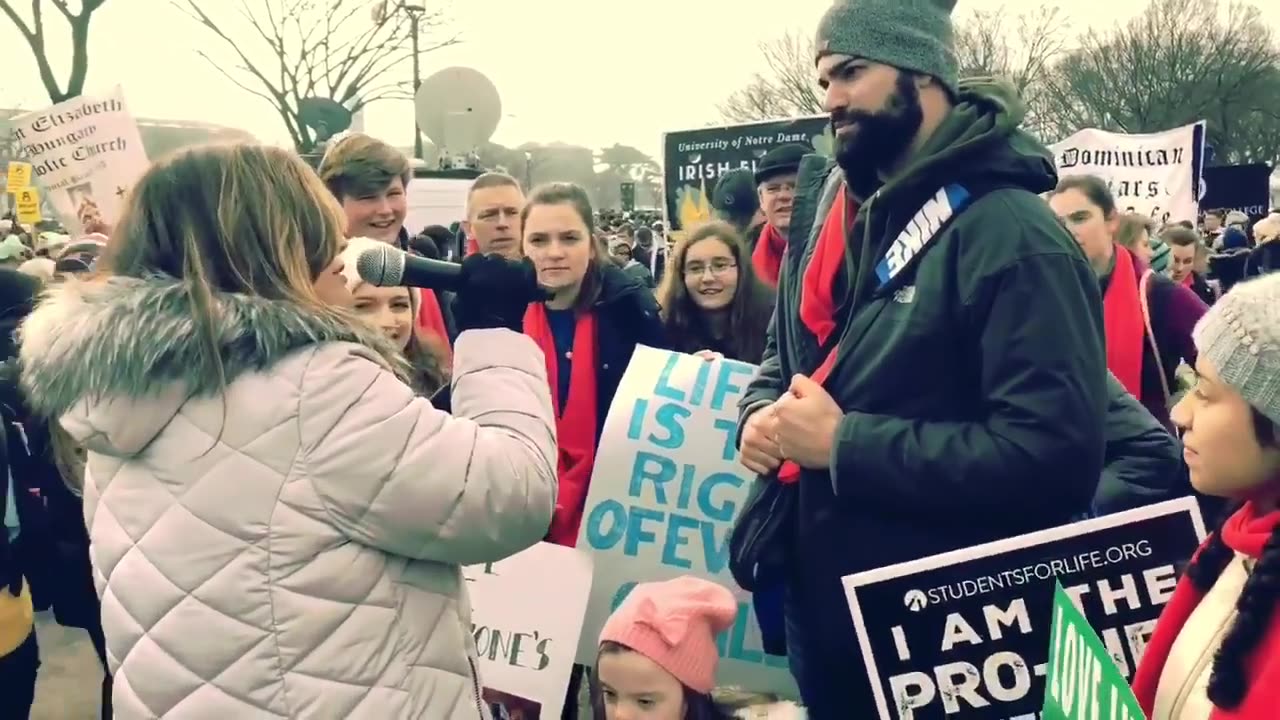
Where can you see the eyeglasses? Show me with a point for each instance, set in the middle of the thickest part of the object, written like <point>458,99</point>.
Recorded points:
<point>717,267</point>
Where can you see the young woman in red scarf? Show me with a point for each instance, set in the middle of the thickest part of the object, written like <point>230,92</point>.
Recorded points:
<point>1148,318</point>
<point>1215,653</point>
<point>587,330</point>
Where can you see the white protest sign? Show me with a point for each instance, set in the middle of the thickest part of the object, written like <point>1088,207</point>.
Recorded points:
<point>1155,174</point>
<point>526,614</point>
<point>86,153</point>
<point>666,488</point>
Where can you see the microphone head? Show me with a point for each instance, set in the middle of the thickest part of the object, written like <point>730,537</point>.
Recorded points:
<point>382,266</point>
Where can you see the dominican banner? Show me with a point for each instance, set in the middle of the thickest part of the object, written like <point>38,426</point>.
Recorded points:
<point>1154,174</point>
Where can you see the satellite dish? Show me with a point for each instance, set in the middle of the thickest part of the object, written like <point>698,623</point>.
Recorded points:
<point>327,117</point>
<point>458,108</point>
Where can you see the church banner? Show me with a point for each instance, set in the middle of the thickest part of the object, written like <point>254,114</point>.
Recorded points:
<point>86,153</point>
<point>1155,174</point>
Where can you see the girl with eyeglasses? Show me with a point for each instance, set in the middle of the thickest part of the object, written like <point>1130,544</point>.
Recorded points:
<point>712,303</point>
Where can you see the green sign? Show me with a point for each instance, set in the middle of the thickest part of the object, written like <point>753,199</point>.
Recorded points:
<point>1083,681</point>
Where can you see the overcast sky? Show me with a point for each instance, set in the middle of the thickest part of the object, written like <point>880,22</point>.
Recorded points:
<point>588,72</point>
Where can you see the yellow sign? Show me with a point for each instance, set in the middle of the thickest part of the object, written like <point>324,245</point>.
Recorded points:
<point>19,175</point>
<point>28,204</point>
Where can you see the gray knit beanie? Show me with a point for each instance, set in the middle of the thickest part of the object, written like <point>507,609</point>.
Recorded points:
<point>913,35</point>
<point>1240,335</point>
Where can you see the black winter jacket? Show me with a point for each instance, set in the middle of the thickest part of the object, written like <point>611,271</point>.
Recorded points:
<point>973,382</point>
<point>1143,460</point>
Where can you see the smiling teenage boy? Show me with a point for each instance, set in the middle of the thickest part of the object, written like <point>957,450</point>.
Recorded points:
<point>370,180</point>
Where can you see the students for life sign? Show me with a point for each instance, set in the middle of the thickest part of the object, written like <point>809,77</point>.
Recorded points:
<point>966,634</point>
<point>665,491</point>
<point>1154,174</point>
<point>526,615</point>
<point>86,153</point>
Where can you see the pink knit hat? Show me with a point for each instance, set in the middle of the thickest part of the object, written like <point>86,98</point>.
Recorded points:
<point>674,623</point>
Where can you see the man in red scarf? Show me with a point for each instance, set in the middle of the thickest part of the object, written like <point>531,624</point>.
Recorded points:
<point>776,185</point>
<point>934,374</point>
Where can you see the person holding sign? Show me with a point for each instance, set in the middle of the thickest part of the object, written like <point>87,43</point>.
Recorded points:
<point>587,330</point>
<point>277,520</point>
<point>935,376</point>
<point>1215,653</point>
<point>712,300</point>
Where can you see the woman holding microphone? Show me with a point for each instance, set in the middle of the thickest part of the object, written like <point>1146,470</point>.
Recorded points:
<point>278,522</point>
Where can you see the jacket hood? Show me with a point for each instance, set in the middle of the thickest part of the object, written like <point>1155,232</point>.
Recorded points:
<point>124,354</point>
<point>981,140</point>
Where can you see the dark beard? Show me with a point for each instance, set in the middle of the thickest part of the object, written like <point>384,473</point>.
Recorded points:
<point>880,138</point>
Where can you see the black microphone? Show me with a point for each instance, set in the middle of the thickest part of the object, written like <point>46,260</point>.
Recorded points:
<point>386,266</point>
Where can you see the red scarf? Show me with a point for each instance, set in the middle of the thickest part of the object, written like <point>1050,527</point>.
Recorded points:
<point>1122,318</point>
<point>431,317</point>
<point>817,294</point>
<point>576,423</point>
<point>767,257</point>
<point>1188,279</point>
<point>1245,532</point>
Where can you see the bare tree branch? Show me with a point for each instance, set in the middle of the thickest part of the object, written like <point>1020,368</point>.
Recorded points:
<point>34,35</point>
<point>1021,52</point>
<point>331,49</point>
<point>1179,62</point>
<point>789,87</point>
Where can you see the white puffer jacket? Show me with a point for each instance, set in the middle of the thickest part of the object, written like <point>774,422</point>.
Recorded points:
<point>288,548</point>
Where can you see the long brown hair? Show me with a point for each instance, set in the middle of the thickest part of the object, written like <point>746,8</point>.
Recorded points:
<point>749,312</point>
<point>236,218</point>
<point>563,193</point>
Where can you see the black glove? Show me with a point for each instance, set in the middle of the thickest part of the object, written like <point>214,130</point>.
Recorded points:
<point>495,292</point>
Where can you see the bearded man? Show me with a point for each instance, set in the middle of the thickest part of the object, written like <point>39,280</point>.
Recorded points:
<point>934,376</point>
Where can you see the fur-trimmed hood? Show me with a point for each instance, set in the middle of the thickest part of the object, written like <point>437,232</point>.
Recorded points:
<point>134,342</point>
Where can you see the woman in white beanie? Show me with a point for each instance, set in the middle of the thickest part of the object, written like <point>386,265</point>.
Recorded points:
<point>393,310</point>
<point>1215,653</point>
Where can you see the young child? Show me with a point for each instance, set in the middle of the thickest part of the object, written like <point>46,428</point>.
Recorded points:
<point>658,654</point>
<point>1215,653</point>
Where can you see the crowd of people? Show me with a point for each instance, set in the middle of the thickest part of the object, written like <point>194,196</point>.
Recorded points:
<point>253,477</point>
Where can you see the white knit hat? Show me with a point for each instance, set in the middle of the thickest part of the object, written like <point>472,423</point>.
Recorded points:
<point>1240,335</point>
